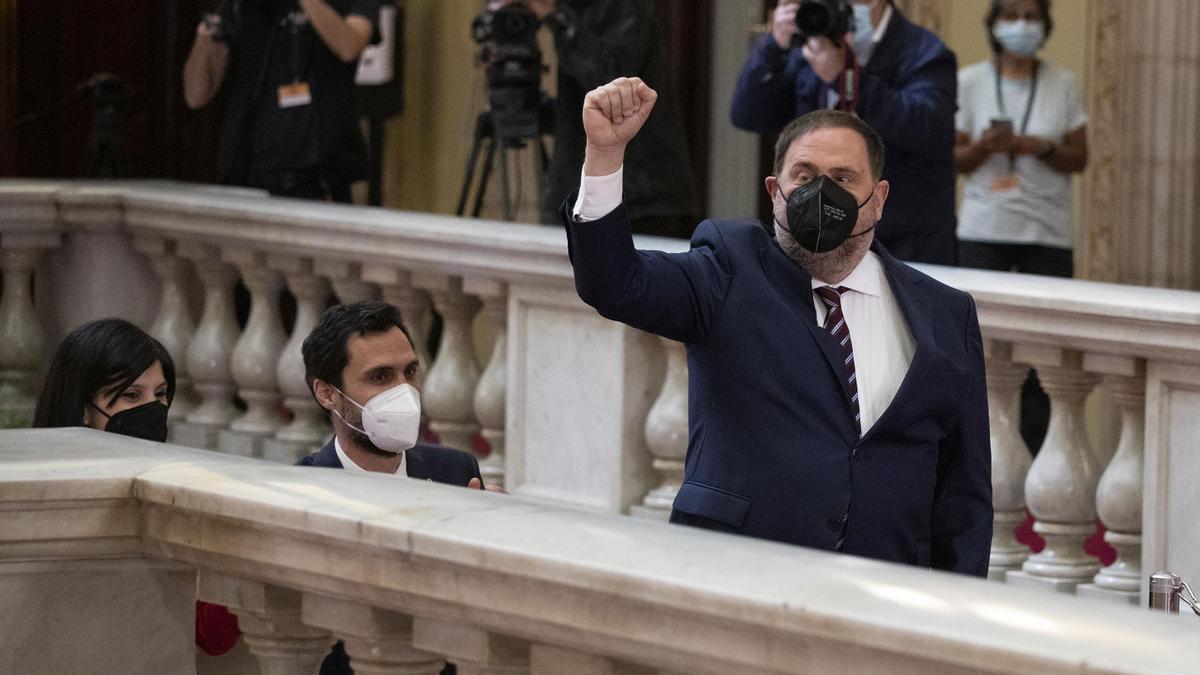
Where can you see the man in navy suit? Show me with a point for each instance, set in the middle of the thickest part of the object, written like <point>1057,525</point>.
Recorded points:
<point>360,365</point>
<point>836,395</point>
<point>903,83</point>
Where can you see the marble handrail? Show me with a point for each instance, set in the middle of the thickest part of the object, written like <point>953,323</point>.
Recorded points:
<point>551,581</point>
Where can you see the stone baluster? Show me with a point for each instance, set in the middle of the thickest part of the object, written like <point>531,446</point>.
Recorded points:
<point>309,427</point>
<point>347,280</point>
<point>1061,486</point>
<point>398,289</point>
<point>271,621</point>
<point>667,434</point>
<point>21,336</point>
<point>1119,494</point>
<point>256,357</point>
<point>449,391</point>
<point>491,392</point>
<point>549,659</point>
<point>173,325</point>
<point>474,651</point>
<point>378,641</point>
<point>1010,458</point>
<point>210,351</point>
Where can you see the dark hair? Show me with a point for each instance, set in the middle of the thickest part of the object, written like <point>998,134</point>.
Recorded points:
<point>98,354</point>
<point>324,350</point>
<point>830,119</point>
<point>993,16</point>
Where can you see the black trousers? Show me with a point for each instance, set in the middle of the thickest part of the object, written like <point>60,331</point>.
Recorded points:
<point>1027,259</point>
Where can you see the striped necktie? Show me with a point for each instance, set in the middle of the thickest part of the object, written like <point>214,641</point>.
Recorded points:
<point>835,323</point>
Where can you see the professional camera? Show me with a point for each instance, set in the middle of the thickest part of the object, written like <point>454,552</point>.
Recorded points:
<point>509,49</point>
<point>227,19</point>
<point>824,18</point>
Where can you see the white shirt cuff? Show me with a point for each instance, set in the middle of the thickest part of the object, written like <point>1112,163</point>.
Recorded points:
<point>598,195</point>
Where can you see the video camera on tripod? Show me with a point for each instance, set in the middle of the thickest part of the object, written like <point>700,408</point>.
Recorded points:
<point>510,52</point>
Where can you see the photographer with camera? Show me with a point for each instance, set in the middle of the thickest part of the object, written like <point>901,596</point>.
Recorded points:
<point>596,41</point>
<point>864,57</point>
<point>289,127</point>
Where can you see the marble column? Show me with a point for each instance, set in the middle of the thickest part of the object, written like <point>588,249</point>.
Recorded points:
<point>1119,494</point>
<point>1061,486</point>
<point>378,641</point>
<point>347,280</point>
<point>667,434</point>
<point>21,336</point>
<point>309,427</point>
<point>173,325</point>
<point>271,621</point>
<point>473,650</point>
<point>256,358</point>
<point>1144,158</point>
<point>399,290</point>
<point>210,351</point>
<point>490,393</point>
<point>1010,458</point>
<point>449,391</point>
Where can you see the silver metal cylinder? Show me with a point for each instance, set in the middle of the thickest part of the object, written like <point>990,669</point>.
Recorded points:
<point>1164,592</point>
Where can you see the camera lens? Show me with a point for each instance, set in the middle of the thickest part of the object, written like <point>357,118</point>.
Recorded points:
<point>813,18</point>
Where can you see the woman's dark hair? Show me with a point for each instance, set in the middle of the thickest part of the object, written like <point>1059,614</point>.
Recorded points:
<point>998,6</point>
<point>324,350</point>
<point>97,355</point>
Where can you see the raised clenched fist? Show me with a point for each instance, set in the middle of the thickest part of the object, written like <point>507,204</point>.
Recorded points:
<point>613,113</point>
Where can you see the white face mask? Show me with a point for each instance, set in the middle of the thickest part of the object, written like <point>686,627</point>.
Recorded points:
<point>391,419</point>
<point>1022,38</point>
<point>864,31</point>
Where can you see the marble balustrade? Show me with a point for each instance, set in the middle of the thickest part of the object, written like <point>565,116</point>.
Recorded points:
<point>581,410</point>
<point>106,542</point>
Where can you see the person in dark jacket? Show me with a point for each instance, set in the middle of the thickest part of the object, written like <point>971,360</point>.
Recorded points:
<point>360,366</point>
<point>903,83</point>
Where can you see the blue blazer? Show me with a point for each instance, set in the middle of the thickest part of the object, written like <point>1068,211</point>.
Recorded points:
<point>773,451</point>
<point>431,462</point>
<point>908,94</point>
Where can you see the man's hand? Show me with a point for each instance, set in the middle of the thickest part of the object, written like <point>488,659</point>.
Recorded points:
<point>783,23</point>
<point>995,139</point>
<point>612,116</point>
<point>827,60</point>
<point>1030,145</point>
<point>540,8</point>
<point>476,484</point>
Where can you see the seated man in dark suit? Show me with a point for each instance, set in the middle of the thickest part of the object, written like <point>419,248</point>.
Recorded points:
<point>836,395</point>
<point>360,365</point>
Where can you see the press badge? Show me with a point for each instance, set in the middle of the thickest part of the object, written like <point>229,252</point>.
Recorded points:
<point>294,95</point>
<point>1005,183</point>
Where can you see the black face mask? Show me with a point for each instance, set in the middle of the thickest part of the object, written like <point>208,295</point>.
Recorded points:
<point>821,214</point>
<point>147,421</point>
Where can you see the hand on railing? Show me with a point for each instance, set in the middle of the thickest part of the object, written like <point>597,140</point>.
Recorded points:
<point>477,484</point>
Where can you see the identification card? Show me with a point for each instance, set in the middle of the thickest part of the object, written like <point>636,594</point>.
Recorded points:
<point>295,94</point>
<point>1005,183</point>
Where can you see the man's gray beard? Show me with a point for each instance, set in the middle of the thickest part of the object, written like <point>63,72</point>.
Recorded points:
<point>830,266</point>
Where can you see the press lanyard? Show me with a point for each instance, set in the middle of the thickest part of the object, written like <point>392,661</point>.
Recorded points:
<point>295,22</point>
<point>1037,67</point>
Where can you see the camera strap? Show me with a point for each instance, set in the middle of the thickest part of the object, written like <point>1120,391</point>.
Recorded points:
<point>1037,67</point>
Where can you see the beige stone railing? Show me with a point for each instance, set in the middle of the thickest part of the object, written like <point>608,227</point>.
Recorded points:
<point>106,540</point>
<point>579,410</point>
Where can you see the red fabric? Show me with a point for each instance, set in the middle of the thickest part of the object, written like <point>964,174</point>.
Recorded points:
<point>216,629</point>
<point>1094,546</point>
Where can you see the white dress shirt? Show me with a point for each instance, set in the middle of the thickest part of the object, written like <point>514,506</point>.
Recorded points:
<point>349,465</point>
<point>883,344</point>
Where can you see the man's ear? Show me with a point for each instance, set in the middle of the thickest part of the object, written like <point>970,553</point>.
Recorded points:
<point>771,182</point>
<point>882,188</point>
<point>325,394</point>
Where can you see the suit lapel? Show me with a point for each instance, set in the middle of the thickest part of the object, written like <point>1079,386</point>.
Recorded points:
<point>918,315</point>
<point>795,285</point>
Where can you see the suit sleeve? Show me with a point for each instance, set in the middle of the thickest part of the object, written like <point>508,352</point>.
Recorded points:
<point>675,295</point>
<point>916,112</point>
<point>962,508</point>
<point>775,86</point>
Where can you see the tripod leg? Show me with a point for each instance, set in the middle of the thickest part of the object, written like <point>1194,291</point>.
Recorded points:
<point>488,160</point>
<point>469,173</point>
<point>505,197</point>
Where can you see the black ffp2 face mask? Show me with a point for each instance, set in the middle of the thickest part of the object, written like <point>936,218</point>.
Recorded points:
<point>147,421</point>
<point>821,214</point>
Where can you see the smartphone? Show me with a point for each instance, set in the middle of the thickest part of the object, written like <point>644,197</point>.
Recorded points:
<point>1003,124</point>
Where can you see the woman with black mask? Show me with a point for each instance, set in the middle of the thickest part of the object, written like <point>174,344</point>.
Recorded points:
<point>111,376</point>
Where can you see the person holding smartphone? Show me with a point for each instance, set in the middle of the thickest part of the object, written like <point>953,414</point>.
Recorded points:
<point>1021,132</point>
